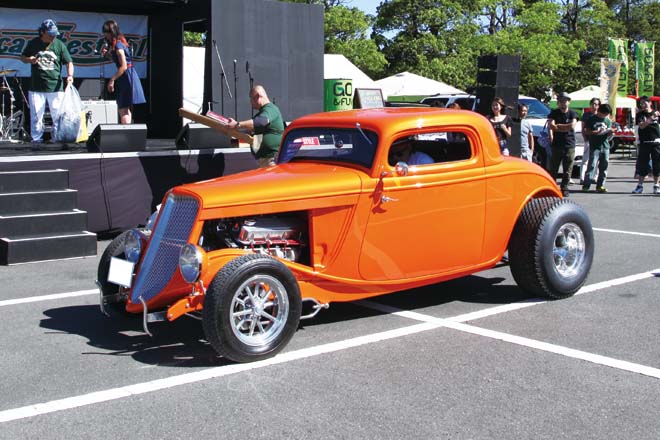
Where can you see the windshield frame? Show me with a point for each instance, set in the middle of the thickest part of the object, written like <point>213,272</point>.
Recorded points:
<point>364,139</point>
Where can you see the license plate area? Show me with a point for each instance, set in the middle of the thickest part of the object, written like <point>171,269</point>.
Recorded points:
<point>121,272</point>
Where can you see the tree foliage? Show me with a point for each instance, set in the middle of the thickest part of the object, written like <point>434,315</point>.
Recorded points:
<point>560,42</point>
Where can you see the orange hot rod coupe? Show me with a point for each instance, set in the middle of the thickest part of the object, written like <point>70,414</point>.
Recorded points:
<point>361,203</point>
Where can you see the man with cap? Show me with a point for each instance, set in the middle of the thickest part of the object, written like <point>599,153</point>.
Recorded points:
<point>46,54</point>
<point>562,122</point>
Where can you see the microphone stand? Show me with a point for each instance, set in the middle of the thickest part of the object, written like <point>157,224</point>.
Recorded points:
<point>247,70</point>
<point>22,132</point>
<point>223,81</point>
<point>235,94</point>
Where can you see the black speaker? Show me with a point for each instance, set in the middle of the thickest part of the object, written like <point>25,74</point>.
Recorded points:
<point>196,136</point>
<point>498,75</point>
<point>113,138</point>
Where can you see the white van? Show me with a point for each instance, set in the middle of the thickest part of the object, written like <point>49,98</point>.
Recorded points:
<point>538,111</point>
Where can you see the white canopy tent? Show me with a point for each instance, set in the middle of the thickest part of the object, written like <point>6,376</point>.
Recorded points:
<point>406,86</point>
<point>339,67</point>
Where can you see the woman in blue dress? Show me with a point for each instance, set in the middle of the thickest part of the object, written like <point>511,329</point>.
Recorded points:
<point>125,82</point>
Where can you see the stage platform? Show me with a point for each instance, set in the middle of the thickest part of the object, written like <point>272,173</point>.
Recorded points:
<point>120,190</point>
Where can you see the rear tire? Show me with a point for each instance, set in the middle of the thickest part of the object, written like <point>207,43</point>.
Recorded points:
<point>252,308</point>
<point>551,248</point>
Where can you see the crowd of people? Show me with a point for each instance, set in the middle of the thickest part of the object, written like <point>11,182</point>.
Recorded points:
<point>47,55</point>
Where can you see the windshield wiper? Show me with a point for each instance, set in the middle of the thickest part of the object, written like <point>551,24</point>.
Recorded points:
<point>357,125</point>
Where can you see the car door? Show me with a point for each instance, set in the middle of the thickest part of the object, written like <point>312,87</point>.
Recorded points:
<point>430,221</point>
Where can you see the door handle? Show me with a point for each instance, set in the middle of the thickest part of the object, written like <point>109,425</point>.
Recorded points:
<point>385,199</point>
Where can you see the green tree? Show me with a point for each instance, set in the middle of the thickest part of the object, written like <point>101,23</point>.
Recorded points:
<point>193,39</point>
<point>645,26</point>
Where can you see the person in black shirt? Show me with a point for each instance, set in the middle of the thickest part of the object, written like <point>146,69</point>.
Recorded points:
<point>649,145</point>
<point>562,122</point>
<point>501,122</point>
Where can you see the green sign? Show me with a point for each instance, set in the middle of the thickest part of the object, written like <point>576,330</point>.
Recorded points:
<point>337,94</point>
<point>645,57</point>
<point>618,50</point>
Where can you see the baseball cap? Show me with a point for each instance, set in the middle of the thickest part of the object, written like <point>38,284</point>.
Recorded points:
<point>644,99</point>
<point>50,27</point>
<point>563,95</point>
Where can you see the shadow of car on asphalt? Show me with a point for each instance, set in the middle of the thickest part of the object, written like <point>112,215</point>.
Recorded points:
<point>182,343</point>
<point>178,344</point>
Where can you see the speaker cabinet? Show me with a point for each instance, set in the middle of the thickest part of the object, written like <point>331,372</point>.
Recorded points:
<point>194,136</point>
<point>100,112</point>
<point>498,75</point>
<point>113,138</point>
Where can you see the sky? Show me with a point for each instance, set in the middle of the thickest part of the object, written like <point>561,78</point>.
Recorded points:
<point>368,6</point>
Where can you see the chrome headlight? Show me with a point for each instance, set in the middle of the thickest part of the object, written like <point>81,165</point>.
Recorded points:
<point>133,245</point>
<point>190,263</point>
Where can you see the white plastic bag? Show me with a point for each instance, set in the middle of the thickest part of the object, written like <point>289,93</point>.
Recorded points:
<point>69,118</point>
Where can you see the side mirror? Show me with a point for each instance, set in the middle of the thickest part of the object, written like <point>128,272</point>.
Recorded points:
<point>400,170</point>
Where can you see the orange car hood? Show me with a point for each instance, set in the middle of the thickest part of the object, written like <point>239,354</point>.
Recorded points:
<point>276,184</point>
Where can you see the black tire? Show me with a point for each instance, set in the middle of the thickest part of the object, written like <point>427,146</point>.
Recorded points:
<point>114,249</point>
<point>551,248</point>
<point>227,297</point>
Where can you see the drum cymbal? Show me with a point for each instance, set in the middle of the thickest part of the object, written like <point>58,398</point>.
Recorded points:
<point>7,71</point>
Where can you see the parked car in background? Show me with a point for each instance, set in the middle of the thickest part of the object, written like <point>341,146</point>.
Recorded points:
<point>538,111</point>
<point>538,116</point>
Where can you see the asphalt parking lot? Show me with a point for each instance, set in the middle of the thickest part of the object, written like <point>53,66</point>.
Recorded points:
<point>473,358</point>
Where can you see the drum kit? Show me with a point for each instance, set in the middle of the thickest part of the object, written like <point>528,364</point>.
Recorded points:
<point>11,119</point>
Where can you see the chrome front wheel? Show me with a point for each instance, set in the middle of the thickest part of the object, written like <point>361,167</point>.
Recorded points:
<point>252,308</point>
<point>259,310</point>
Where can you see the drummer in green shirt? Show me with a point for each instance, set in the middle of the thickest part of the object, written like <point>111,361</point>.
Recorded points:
<point>267,122</point>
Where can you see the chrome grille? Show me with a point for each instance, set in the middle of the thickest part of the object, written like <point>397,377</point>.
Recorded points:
<point>161,260</point>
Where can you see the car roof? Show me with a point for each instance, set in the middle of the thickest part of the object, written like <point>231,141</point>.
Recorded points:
<point>389,120</point>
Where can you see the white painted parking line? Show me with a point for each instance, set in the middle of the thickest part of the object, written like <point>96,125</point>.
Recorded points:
<point>616,231</point>
<point>12,302</point>
<point>472,316</point>
<point>429,323</point>
<point>519,340</point>
<point>198,376</point>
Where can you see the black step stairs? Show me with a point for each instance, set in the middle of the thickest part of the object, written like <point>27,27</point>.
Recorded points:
<point>39,219</point>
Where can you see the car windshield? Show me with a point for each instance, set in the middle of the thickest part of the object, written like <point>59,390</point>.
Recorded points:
<point>537,110</point>
<point>356,146</point>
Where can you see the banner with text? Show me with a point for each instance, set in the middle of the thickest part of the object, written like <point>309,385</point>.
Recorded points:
<point>80,31</point>
<point>609,78</point>
<point>618,50</point>
<point>645,56</point>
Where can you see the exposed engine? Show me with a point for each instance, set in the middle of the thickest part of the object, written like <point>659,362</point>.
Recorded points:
<point>283,236</point>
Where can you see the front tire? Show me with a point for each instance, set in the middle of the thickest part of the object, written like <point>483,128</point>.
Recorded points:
<point>252,308</point>
<point>108,289</point>
<point>551,248</point>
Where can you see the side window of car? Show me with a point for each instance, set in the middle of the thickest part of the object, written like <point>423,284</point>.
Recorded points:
<point>465,103</point>
<point>405,150</point>
<point>443,146</point>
